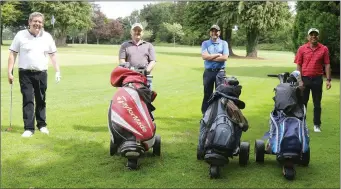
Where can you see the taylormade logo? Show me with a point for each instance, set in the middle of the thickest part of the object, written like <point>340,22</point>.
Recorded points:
<point>124,104</point>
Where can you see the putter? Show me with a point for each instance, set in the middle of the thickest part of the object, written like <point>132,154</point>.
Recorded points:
<point>10,114</point>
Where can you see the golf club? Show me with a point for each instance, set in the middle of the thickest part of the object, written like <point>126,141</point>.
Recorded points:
<point>10,114</point>
<point>272,75</point>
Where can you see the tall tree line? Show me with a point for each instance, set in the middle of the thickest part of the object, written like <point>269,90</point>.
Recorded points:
<point>188,22</point>
<point>74,20</point>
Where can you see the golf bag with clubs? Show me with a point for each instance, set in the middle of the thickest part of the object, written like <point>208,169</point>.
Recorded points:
<point>288,136</point>
<point>221,128</point>
<point>130,120</point>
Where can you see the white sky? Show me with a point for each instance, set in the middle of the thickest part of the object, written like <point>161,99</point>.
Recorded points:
<point>115,9</point>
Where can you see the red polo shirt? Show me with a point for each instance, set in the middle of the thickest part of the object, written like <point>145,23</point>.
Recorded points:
<point>312,60</point>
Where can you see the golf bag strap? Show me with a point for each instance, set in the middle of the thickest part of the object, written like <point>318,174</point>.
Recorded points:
<point>240,104</point>
<point>236,116</point>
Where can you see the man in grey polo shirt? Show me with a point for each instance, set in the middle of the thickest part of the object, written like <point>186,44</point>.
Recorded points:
<point>137,51</point>
<point>34,46</point>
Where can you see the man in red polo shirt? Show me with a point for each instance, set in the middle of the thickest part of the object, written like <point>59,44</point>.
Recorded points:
<point>310,59</point>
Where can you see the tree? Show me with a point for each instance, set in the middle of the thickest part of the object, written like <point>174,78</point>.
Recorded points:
<point>227,16</point>
<point>175,29</point>
<point>134,17</point>
<point>82,35</point>
<point>179,12</point>
<point>155,15</point>
<point>73,32</point>
<point>24,7</point>
<point>147,34</point>
<point>126,28</point>
<point>114,29</point>
<point>67,15</point>
<point>99,19</point>
<point>200,16</point>
<point>281,36</point>
<point>190,36</point>
<point>258,17</point>
<point>9,15</point>
<point>325,16</point>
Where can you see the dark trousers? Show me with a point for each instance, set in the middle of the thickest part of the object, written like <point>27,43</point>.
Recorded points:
<point>33,85</point>
<point>313,84</point>
<point>211,79</point>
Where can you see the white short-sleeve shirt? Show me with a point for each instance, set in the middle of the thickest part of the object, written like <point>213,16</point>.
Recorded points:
<point>33,50</point>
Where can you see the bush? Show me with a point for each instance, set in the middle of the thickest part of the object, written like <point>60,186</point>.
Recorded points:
<point>273,47</point>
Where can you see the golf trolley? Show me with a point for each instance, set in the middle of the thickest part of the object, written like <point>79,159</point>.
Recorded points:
<point>221,128</point>
<point>130,121</point>
<point>288,136</point>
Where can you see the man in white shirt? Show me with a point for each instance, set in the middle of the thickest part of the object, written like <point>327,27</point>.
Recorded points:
<point>34,46</point>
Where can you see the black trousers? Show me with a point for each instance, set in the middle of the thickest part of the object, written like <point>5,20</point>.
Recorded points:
<point>211,79</point>
<point>33,86</point>
<point>313,84</point>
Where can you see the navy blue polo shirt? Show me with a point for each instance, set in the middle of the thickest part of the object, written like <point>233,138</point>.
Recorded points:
<point>220,46</point>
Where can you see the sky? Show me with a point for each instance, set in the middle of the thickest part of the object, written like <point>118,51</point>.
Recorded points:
<point>115,9</point>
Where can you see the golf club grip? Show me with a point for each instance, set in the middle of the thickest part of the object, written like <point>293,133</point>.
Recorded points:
<point>272,75</point>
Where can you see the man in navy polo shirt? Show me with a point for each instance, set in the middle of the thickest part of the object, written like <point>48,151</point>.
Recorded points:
<point>214,51</point>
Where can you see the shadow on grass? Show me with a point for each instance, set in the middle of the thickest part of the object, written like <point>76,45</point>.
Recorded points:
<point>261,71</point>
<point>181,54</point>
<point>73,162</point>
<point>176,120</point>
<point>14,129</point>
<point>169,123</point>
<point>77,163</point>
<point>91,128</point>
<point>188,54</point>
<point>177,124</point>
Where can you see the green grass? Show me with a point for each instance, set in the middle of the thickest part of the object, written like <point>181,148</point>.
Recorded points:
<point>76,153</point>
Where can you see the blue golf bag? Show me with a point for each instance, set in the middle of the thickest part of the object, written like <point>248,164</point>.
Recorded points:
<point>288,135</point>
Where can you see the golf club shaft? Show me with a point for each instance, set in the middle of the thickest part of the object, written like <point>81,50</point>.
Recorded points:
<point>272,75</point>
<point>10,116</point>
<point>10,119</point>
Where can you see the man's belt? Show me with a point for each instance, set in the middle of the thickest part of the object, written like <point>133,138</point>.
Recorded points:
<point>312,77</point>
<point>215,69</point>
<point>28,70</point>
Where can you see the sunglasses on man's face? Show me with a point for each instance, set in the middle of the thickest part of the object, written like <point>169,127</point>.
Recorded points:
<point>314,34</point>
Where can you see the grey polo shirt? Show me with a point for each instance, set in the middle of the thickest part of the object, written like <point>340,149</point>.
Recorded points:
<point>137,54</point>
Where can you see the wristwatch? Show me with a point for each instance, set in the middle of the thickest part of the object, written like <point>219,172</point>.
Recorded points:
<point>329,79</point>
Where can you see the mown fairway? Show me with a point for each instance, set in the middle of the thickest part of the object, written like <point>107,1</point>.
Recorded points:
<point>76,153</point>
